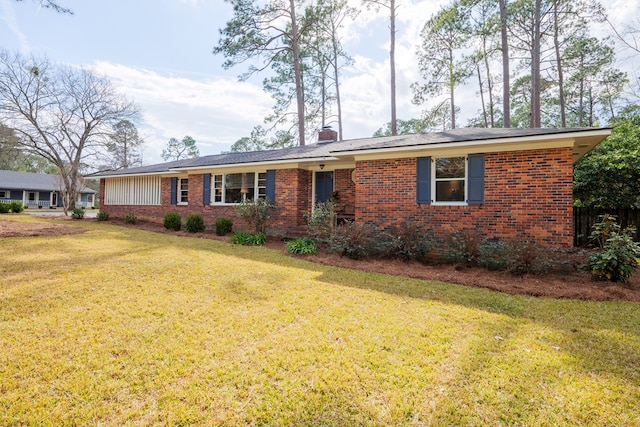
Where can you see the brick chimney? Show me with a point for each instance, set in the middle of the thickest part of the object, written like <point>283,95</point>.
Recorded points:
<point>327,135</point>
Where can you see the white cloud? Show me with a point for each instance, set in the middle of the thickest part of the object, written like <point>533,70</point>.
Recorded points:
<point>366,84</point>
<point>7,14</point>
<point>215,112</point>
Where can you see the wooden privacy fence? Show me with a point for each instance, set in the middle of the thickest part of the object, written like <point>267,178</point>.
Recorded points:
<point>584,218</point>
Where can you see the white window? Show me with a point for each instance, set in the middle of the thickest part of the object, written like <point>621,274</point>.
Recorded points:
<point>183,190</point>
<point>449,180</point>
<point>4,194</point>
<point>238,187</point>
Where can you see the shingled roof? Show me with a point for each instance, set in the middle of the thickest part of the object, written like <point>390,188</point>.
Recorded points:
<point>326,151</point>
<point>12,180</point>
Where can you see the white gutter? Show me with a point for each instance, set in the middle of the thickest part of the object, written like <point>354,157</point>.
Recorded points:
<point>169,172</point>
<point>264,163</point>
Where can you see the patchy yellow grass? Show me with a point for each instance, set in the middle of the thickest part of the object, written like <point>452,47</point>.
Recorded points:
<point>120,327</point>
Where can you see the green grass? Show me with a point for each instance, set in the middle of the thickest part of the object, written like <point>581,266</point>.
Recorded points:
<point>118,326</point>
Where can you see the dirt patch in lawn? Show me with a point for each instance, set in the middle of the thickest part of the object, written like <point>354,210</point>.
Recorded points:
<point>30,229</point>
<point>577,285</point>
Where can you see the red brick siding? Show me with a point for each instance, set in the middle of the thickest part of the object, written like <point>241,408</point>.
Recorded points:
<point>346,189</point>
<point>527,193</point>
<point>293,199</point>
<point>293,191</point>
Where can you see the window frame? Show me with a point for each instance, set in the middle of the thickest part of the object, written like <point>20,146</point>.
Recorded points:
<point>219,180</point>
<point>434,181</point>
<point>4,194</point>
<point>182,193</point>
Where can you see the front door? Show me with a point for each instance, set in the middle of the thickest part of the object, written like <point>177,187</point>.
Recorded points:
<point>54,200</point>
<point>324,186</point>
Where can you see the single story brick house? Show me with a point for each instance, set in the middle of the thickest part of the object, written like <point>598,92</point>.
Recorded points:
<point>503,183</point>
<point>38,190</point>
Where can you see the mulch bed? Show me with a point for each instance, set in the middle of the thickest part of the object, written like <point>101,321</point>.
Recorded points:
<point>576,285</point>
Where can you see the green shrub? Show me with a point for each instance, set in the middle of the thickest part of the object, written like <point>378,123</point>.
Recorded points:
<point>618,259</point>
<point>247,239</point>
<point>303,246</point>
<point>259,239</point>
<point>601,230</point>
<point>224,226</point>
<point>77,213</point>
<point>102,216</point>
<point>353,240</point>
<point>459,247</point>
<point>5,208</point>
<point>618,256</point>
<point>255,212</point>
<point>172,221</point>
<point>528,257</point>
<point>408,241</point>
<point>194,223</point>
<point>16,207</point>
<point>130,218</point>
<point>493,254</point>
<point>322,220</point>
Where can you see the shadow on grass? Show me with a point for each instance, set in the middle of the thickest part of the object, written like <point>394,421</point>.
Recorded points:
<point>604,337</point>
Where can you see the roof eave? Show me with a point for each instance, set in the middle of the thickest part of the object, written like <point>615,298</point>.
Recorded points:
<point>124,175</point>
<point>258,164</point>
<point>564,139</point>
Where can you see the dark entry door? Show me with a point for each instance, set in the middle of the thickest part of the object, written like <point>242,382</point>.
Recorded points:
<point>324,186</point>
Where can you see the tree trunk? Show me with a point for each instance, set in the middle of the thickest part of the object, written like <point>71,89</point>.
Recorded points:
<point>323,105</point>
<point>392,64</point>
<point>336,76</point>
<point>489,84</point>
<point>534,120</point>
<point>452,102</point>
<point>556,42</point>
<point>581,97</point>
<point>298,72</point>
<point>506,85</point>
<point>484,108</point>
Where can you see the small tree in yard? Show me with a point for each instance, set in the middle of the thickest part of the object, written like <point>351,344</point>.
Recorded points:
<point>322,220</point>
<point>255,212</point>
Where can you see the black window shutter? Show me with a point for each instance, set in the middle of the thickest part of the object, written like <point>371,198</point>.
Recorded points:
<point>206,189</point>
<point>174,191</point>
<point>476,179</point>
<point>271,185</point>
<point>423,179</point>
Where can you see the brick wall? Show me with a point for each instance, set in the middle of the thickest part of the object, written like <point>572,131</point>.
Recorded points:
<point>346,189</point>
<point>527,193</point>
<point>293,198</point>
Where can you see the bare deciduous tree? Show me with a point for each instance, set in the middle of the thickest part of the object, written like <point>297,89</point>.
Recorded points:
<point>59,113</point>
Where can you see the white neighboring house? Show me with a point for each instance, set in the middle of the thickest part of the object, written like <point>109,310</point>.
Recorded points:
<point>38,190</point>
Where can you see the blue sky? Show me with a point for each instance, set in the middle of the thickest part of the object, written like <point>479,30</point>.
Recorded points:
<point>158,53</point>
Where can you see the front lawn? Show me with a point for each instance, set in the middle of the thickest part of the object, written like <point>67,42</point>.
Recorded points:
<point>118,326</point>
